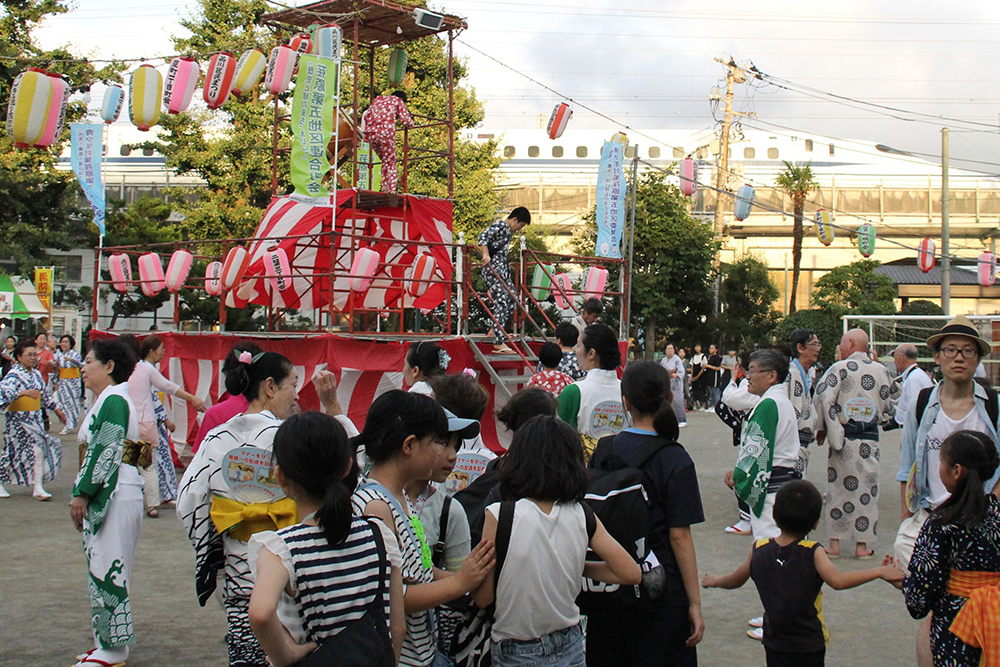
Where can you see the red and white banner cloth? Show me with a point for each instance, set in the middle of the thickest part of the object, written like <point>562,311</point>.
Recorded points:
<point>302,226</point>
<point>365,369</point>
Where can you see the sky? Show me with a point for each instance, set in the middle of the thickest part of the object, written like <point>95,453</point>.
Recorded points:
<point>652,66</point>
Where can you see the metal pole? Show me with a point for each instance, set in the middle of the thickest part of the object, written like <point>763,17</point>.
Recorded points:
<point>623,327</point>
<point>945,230</point>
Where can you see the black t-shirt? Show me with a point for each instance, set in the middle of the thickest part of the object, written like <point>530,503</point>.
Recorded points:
<point>789,588</point>
<point>714,377</point>
<point>677,502</point>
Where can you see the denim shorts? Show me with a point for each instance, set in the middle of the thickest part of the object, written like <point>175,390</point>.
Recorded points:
<point>563,648</point>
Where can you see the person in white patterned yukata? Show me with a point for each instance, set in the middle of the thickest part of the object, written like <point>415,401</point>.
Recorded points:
<point>494,244</point>
<point>805,347</point>
<point>30,456</point>
<point>853,397</point>
<point>69,386</point>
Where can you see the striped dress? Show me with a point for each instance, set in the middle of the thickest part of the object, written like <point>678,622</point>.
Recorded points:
<point>420,644</point>
<point>334,585</point>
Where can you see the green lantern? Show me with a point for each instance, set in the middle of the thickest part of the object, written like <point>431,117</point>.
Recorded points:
<point>866,239</point>
<point>397,66</point>
<point>541,282</point>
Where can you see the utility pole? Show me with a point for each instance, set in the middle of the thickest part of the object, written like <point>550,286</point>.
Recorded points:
<point>945,229</point>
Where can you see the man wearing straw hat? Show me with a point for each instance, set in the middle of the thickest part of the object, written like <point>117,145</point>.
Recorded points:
<point>956,403</point>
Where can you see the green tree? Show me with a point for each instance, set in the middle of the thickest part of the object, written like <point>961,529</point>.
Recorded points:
<point>747,296</point>
<point>672,263</point>
<point>856,288</point>
<point>797,181</point>
<point>829,328</point>
<point>918,331</point>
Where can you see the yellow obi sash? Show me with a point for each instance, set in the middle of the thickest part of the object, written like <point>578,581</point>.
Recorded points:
<point>66,373</point>
<point>978,621</point>
<point>25,404</point>
<point>245,519</point>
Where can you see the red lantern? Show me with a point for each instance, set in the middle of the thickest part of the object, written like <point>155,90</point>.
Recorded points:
<point>213,279</point>
<point>120,267</point>
<point>150,274</point>
<point>559,120</point>
<point>420,274</point>
<point>925,255</point>
<point>689,176</point>
<point>987,269</point>
<point>178,270</point>
<point>219,79</point>
<point>235,266</point>
<point>278,269</point>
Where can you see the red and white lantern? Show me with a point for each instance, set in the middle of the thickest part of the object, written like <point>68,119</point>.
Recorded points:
<point>213,278</point>
<point>419,274</point>
<point>689,176</point>
<point>120,268</point>
<point>278,269</point>
<point>235,266</point>
<point>562,290</point>
<point>559,120</point>
<point>219,79</point>
<point>594,282</point>
<point>178,89</point>
<point>925,255</point>
<point>363,267</point>
<point>987,266</point>
<point>178,270</point>
<point>151,274</point>
<point>300,43</point>
<point>57,111</point>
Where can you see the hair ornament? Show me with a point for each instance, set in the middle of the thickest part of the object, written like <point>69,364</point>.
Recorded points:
<point>470,372</point>
<point>443,360</point>
<point>245,358</point>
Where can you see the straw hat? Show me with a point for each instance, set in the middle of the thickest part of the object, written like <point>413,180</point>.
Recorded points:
<point>960,326</point>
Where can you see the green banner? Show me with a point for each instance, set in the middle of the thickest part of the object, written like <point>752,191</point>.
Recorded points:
<point>313,107</point>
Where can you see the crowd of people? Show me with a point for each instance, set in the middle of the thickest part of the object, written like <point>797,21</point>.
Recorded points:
<point>319,537</point>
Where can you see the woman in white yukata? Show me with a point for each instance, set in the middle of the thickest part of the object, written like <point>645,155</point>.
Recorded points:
<point>107,500</point>
<point>68,387</point>
<point>30,456</point>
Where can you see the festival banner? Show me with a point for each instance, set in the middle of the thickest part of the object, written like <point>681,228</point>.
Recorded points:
<point>43,286</point>
<point>313,108</point>
<point>86,152</point>
<point>610,201</point>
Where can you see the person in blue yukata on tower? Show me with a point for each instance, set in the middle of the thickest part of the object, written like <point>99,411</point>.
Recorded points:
<point>494,244</point>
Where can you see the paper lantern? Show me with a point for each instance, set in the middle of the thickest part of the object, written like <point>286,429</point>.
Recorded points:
<point>145,90</point>
<point>120,268</point>
<point>541,283</point>
<point>56,115</point>
<point>363,268</point>
<point>420,273</point>
<point>28,109</point>
<point>563,285</point>
<point>277,268</point>
<point>235,266</point>
<point>111,107</point>
<point>925,255</point>
<point>620,137</point>
<point>689,176</point>
<point>326,41</point>
<point>987,269</point>
<point>398,60</point>
<point>745,198</point>
<point>150,274</point>
<point>301,43</point>
<point>824,227</point>
<point>558,120</point>
<point>248,71</point>
<point>594,282</point>
<point>219,79</point>
<point>866,239</point>
<point>280,67</point>
<point>213,278</point>
<point>182,79</point>
<point>178,270</point>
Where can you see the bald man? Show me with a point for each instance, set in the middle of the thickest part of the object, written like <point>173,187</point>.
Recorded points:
<point>852,399</point>
<point>911,379</point>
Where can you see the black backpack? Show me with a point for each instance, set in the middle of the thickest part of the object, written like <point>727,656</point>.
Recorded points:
<point>620,494</point>
<point>992,406</point>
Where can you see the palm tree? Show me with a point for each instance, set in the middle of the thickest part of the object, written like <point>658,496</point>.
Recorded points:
<point>797,182</point>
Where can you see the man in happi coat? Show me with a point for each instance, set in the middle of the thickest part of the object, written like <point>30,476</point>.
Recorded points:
<point>805,347</point>
<point>494,244</point>
<point>852,398</point>
<point>380,131</point>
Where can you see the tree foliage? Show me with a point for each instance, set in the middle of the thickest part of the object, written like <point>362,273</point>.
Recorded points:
<point>797,181</point>
<point>747,297</point>
<point>856,288</point>
<point>828,327</point>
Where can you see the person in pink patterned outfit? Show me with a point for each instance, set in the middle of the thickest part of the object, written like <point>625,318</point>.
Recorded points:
<point>379,123</point>
<point>550,379</point>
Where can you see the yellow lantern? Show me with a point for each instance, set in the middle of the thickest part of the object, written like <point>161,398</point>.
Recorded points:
<point>145,92</point>
<point>28,110</point>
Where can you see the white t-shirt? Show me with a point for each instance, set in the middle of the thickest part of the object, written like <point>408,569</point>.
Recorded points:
<point>422,387</point>
<point>942,428</point>
<point>543,572</point>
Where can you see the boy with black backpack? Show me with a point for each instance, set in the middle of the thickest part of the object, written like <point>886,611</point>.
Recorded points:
<point>645,489</point>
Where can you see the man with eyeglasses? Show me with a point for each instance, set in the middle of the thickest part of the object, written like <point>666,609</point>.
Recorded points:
<point>852,399</point>
<point>912,379</point>
<point>805,347</point>
<point>956,403</point>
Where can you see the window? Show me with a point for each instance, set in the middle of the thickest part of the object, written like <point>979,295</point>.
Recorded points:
<point>678,153</point>
<point>831,149</point>
<point>654,152</point>
<point>772,153</point>
<point>581,151</point>
<point>73,268</point>
<point>702,153</point>
<point>557,151</point>
<point>509,151</point>
<point>125,151</point>
<point>749,153</point>
<point>148,152</point>
<point>533,151</point>
<point>630,152</point>
<point>809,145</point>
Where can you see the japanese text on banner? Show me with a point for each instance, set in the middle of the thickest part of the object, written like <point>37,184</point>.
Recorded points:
<point>86,152</point>
<point>610,201</point>
<point>43,286</point>
<point>313,107</point>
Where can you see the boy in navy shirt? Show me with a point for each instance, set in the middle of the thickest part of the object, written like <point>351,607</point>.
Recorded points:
<point>789,572</point>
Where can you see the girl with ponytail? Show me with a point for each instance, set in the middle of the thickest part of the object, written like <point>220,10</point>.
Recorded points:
<point>325,571</point>
<point>955,567</point>
<point>639,637</point>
